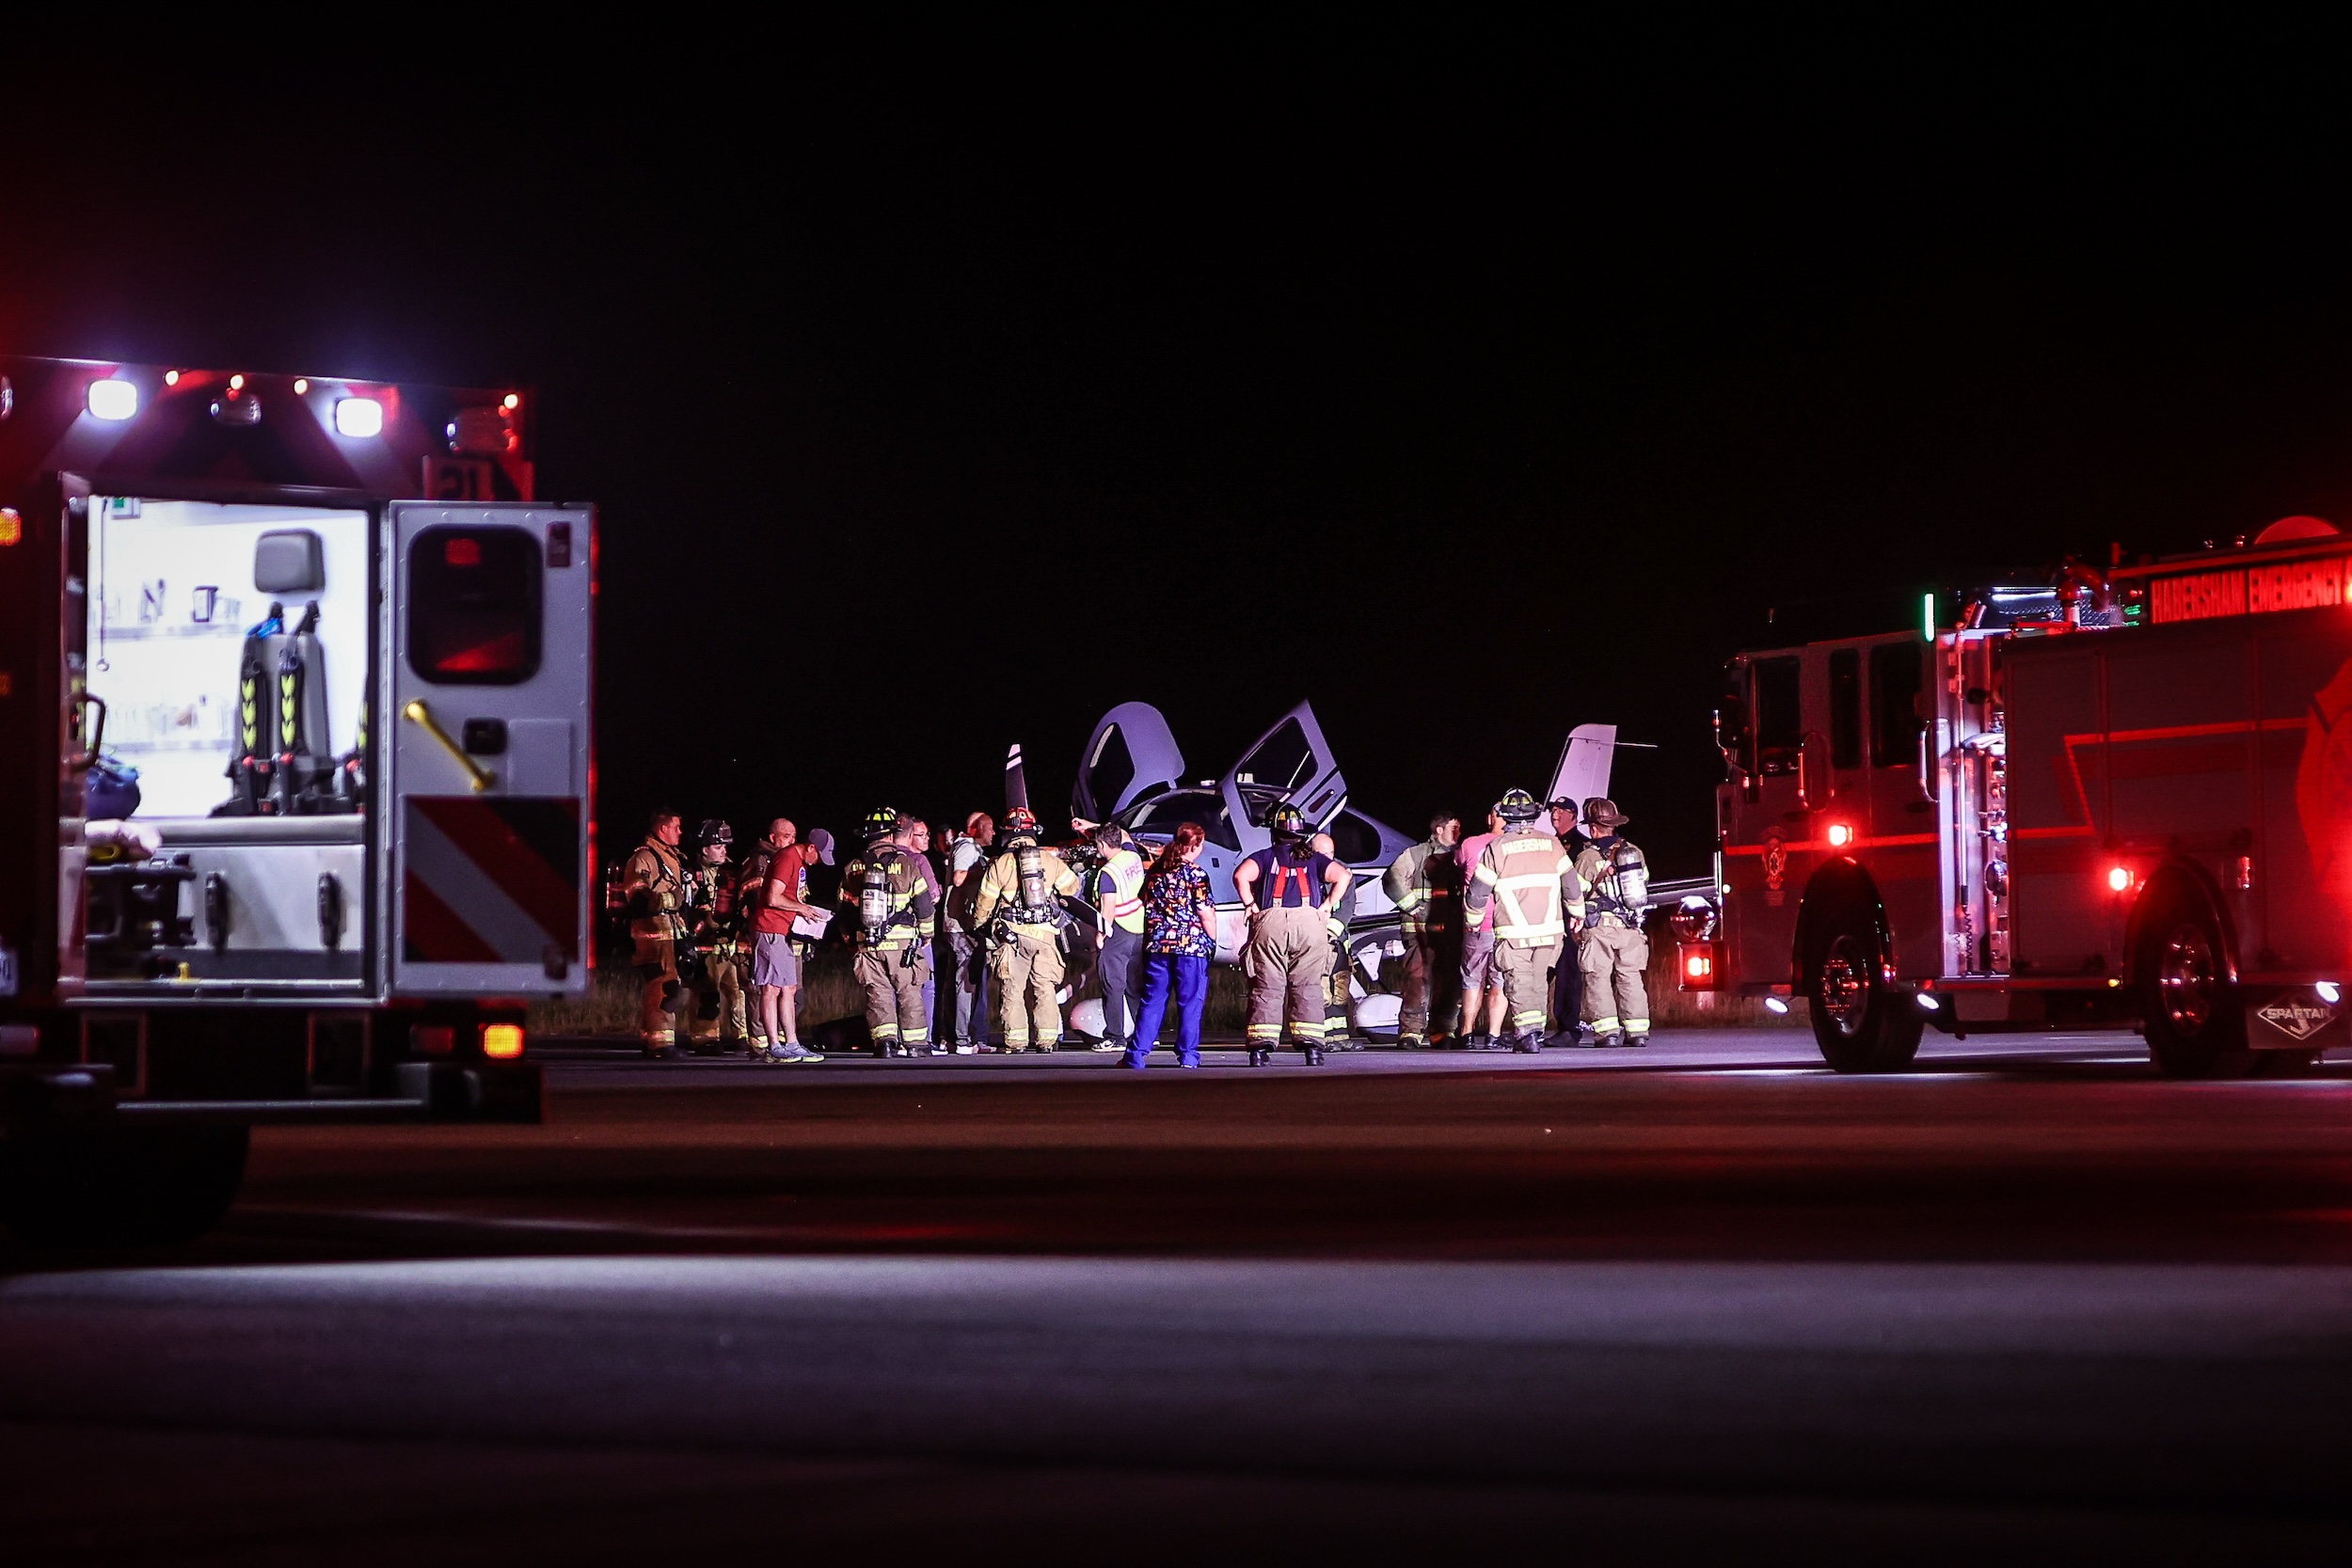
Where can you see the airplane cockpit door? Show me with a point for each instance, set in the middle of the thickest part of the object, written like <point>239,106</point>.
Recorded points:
<point>483,735</point>
<point>1293,761</point>
<point>1129,753</point>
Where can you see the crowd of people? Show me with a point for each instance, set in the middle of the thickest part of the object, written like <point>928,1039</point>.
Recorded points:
<point>1527,934</point>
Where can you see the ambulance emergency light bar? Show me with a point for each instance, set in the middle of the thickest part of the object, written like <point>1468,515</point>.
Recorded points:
<point>360,419</point>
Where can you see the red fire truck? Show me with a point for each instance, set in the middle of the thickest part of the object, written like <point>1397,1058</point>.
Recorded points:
<point>2125,800</point>
<point>294,810</point>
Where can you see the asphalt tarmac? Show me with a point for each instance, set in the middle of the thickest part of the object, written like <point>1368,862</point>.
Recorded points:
<point>1702,1300</point>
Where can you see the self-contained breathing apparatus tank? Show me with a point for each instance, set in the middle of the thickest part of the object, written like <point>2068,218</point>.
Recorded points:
<point>1029,861</point>
<point>873,897</point>
<point>1626,887</point>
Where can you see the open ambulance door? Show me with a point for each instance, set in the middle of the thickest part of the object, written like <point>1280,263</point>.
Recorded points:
<point>483,723</point>
<point>1129,753</point>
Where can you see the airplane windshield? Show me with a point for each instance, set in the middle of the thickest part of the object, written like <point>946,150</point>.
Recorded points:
<point>1160,816</point>
<point>1284,761</point>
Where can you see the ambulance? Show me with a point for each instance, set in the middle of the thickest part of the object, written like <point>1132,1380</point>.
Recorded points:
<point>298,785</point>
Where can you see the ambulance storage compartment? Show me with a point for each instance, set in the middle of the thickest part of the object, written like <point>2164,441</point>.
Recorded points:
<point>228,659</point>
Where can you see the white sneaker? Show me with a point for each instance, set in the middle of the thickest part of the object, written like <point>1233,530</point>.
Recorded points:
<point>967,1050</point>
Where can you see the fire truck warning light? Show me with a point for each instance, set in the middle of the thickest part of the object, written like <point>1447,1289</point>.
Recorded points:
<point>1840,834</point>
<point>1927,1004</point>
<point>358,417</point>
<point>2329,990</point>
<point>501,1041</point>
<point>111,399</point>
<point>1774,1004</point>
<point>2119,878</point>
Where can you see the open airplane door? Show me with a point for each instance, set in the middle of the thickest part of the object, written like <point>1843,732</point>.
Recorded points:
<point>1583,770</point>
<point>1293,760</point>
<point>1129,753</point>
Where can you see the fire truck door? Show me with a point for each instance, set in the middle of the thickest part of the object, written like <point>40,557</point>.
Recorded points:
<point>1764,861</point>
<point>483,722</point>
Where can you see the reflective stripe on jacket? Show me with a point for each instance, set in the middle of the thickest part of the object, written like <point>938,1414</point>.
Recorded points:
<point>1534,886</point>
<point>1121,883</point>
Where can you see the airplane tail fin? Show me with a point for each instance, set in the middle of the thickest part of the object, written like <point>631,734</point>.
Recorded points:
<point>1583,770</point>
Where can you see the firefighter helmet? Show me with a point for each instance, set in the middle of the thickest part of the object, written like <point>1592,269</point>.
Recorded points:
<point>1517,805</point>
<point>714,832</point>
<point>879,823</point>
<point>1602,813</point>
<point>1287,821</point>
<point>1019,822</point>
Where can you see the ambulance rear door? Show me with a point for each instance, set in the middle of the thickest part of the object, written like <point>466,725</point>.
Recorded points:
<point>484,715</point>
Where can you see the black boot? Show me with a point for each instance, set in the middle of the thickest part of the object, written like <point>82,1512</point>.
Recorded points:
<point>1260,1056</point>
<point>1314,1055</point>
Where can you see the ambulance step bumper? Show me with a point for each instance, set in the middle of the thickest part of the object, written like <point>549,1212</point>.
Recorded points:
<point>60,1093</point>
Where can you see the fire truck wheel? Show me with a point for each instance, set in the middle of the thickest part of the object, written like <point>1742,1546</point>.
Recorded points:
<point>122,1187</point>
<point>2194,1025</point>
<point>1862,1022</point>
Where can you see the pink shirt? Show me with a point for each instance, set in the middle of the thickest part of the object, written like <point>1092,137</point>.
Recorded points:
<point>1465,855</point>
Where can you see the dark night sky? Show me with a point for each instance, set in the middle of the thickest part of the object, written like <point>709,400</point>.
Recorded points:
<point>1470,386</point>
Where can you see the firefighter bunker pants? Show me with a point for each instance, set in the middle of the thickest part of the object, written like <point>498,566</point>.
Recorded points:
<point>1613,957</point>
<point>656,969</point>
<point>894,994</point>
<point>1028,972</point>
<point>1290,957</point>
<point>722,978</point>
<point>1524,976</point>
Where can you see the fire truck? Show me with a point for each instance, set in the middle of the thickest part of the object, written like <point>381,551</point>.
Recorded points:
<point>294,699</point>
<point>2121,800</point>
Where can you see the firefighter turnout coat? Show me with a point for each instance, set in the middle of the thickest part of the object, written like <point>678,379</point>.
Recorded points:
<point>1534,886</point>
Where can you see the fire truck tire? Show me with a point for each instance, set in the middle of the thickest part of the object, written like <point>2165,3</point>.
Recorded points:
<point>1862,1022</point>
<point>2194,1025</point>
<point>119,1187</point>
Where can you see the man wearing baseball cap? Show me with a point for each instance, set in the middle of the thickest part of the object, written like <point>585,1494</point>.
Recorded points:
<point>1568,981</point>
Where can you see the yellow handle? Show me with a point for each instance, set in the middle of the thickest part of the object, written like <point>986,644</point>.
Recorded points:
<point>417,714</point>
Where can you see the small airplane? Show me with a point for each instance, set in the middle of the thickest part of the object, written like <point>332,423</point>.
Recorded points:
<point>1132,773</point>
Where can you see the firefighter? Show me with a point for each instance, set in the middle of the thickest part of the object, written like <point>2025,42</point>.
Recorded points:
<point>1288,895</point>
<point>653,885</point>
<point>1532,885</point>
<point>710,889</point>
<point>1568,982</point>
<point>1018,907</point>
<point>1118,896</point>
<point>889,901</point>
<point>1612,950</point>
<point>1339,1013</point>
<point>1423,882</point>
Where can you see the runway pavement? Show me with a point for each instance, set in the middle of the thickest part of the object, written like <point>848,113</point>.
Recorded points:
<point>2029,1300</point>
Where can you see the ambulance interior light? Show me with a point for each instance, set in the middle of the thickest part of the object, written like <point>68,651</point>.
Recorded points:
<point>358,417</point>
<point>112,399</point>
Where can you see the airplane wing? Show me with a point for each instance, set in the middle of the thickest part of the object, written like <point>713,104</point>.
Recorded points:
<point>1583,770</point>
<point>1129,753</point>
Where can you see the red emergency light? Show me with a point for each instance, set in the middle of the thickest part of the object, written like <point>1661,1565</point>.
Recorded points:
<point>1695,965</point>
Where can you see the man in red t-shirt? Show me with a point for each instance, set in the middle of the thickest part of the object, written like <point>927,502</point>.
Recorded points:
<point>775,956</point>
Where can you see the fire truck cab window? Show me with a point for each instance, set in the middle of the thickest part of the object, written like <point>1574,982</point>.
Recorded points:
<point>473,606</point>
<point>1845,707</point>
<point>1779,714</point>
<point>1895,670</point>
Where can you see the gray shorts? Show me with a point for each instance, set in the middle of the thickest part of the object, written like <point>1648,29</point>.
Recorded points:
<point>773,963</point>
<point>1478,957</point>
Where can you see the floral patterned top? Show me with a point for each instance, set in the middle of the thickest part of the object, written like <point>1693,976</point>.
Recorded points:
<point>1172,906</point>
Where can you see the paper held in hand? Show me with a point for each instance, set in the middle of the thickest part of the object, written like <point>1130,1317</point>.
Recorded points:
<point>811,925</point>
